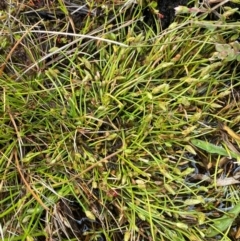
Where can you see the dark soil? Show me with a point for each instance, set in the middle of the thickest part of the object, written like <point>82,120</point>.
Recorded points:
<point>3,5</point>
<point>166,8</point>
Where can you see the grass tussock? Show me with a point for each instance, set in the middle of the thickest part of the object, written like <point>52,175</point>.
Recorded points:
<point>113,129</point>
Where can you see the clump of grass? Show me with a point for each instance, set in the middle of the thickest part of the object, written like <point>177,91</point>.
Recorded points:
<point>97,136</point>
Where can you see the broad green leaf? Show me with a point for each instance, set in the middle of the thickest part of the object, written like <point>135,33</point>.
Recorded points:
<point>221,224</point>
<point>213,149</point>
<point>223,47</point>
<point>238,57</point>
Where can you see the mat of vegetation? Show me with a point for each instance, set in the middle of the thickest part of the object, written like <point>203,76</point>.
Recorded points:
<point>117,127</point>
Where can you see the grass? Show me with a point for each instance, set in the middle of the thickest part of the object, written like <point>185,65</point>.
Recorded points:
<point>118,131</point>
